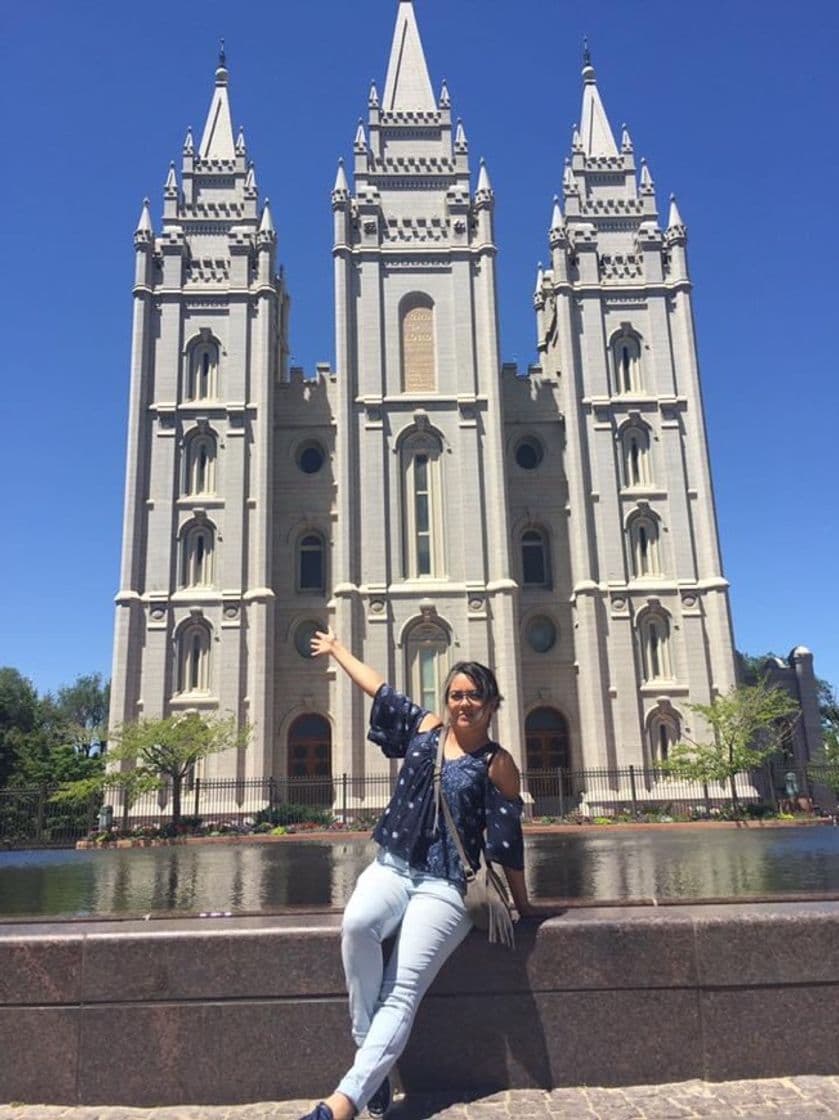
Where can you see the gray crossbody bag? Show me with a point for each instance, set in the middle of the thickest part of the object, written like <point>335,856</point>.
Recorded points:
<point>487,899</point>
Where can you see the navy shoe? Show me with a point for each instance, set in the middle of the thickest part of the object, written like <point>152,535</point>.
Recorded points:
<point>321,1111</point>
<point>380,1102</point>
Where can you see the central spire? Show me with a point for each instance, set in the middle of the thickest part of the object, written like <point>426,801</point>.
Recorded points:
<point>217,141</point>
<point>407,86</point>
<point>595,131</point>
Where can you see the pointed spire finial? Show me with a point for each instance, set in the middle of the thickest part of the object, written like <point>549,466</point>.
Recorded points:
<point>342,187</point>
<point>674,219</point>
<point>189,144</point>
<point>171,179</point>
<point>646,178</point>
<point>586,52</point>
<point>240,141</point>
<point>360,137</point>
<point>445,100</point>
<point>266,225</point>
<point>373,98</point>
<point>460,136</point>
<point>222,56</point>
<point>556,216</point>
<point>144,226</point>
<point>483,178</point>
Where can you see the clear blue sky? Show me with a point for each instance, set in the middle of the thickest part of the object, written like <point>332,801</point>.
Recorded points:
<point>733,104</point>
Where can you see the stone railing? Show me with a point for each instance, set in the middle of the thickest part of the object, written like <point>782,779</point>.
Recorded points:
<point>247,1009</point>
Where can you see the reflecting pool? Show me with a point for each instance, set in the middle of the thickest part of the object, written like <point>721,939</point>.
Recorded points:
<point>589,864</point>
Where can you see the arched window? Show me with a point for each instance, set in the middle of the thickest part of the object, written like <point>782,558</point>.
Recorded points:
<point>200,464</point>
<point>422,518</point>
<point>626,361</point>
<point>202,372</point>
<point>194,658</point>
<point>664,734</point>
<point>643,546</point>
<point>427,647</point>
<point>310,747</point>
<point>654,633</point>
<point>311,563</point>
<point>197,556</point>
<point>635,456</point>
<point>547,742</point>
<point>419,359</point>
<point>535,559</point>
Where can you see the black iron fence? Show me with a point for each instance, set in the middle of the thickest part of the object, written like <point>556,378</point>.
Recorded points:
<point>31,817</point>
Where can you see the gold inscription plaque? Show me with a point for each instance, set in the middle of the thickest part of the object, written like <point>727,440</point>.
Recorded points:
<point>418,373</point>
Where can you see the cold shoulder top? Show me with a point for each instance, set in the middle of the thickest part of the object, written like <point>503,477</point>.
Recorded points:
<point>484,816</point>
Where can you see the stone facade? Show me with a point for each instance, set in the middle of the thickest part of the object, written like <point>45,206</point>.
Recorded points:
<point>429,503</point>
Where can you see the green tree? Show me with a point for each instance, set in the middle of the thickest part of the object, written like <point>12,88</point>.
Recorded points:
<point>83,706</point>
<point>157,753</point>
<point>18,719</point>
<point>749,724</point>
<point>825,767</point>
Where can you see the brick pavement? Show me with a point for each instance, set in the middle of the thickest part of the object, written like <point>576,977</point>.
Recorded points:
<point>799,1097</point>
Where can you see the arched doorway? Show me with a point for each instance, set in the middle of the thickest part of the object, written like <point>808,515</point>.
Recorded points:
<point>310,760</point>
<point>547,758</point>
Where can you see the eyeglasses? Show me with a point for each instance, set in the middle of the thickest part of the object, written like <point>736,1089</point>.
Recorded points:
<point>473,695</point>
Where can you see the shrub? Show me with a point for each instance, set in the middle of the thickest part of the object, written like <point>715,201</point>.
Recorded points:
<point>294,814</point>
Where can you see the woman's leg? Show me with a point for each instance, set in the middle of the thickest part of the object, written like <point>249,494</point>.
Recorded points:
<point>372,914</point>
<point>435,923</point>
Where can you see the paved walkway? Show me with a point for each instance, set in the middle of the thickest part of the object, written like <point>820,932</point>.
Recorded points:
<point>799,1097</point>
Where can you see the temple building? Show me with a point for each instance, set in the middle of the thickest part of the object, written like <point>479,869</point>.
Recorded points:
<point>428,501</point>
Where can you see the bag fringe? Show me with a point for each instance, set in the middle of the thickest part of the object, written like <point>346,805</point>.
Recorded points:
<point>501,930</point>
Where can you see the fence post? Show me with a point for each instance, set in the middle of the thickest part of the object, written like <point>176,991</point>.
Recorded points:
<point>770,778</point>
<point>39,813</point>
<point>707,797</point>
<point>344,797</point>
<point>634,791</point>
<point>561,797</point>
<point>197,795</point>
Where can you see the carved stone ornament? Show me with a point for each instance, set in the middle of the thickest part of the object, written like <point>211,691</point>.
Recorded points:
<point>370,226</point>
<point>377,606</point>
<point>428,610</point>
<point>476,603</point>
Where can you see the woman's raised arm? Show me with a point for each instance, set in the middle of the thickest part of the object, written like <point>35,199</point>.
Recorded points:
<point>325,643</point>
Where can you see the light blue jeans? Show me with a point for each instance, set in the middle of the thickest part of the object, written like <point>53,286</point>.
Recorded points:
<point>384,1002</point>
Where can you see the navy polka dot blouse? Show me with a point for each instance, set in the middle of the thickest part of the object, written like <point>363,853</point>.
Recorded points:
<point>406,828</point>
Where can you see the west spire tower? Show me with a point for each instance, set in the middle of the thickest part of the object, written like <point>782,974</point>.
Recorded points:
<point>209,344</point>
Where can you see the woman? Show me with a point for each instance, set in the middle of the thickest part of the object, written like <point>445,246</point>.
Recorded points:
<point>417,883</point>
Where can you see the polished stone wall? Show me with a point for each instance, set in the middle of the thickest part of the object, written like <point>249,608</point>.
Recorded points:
<point>223,1011</point>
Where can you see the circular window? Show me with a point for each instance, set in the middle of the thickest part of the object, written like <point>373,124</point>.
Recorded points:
<point>529,454</point>
<point>541,634</point>
<point>303,636</point>
<point>310,458</point>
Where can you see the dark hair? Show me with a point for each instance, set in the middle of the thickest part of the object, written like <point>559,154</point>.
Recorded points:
<point>482,678</point>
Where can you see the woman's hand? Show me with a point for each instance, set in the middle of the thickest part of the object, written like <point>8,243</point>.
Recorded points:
<point>323,642</point>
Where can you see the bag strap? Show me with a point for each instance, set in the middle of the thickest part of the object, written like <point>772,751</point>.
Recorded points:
<point>441,801</point>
